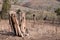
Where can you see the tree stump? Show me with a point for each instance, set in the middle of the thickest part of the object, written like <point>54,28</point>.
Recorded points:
<point>15,24</point>
<point>18,23</point>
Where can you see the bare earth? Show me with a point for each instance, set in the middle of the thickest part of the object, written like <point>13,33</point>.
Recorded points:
<point>37,31</point>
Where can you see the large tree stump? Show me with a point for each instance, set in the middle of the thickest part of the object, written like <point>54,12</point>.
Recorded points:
<point>18,22</point>
<point>15,24</point>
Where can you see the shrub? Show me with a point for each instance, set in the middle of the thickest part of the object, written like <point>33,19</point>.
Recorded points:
<point>57,11</point>
<point>29,15</point>
<point>58,14</point>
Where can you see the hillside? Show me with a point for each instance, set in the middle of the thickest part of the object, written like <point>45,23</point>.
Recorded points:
<point>48,5</point>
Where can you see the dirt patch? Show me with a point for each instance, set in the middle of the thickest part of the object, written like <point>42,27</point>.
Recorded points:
<point>37,31</point>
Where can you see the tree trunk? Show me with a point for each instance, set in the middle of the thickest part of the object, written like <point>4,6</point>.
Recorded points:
<point>5,9</point>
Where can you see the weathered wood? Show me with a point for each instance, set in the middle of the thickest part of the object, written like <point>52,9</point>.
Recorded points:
<point>18,23</point>
<point>22,21</point>
<point>15,24</point>
<point>11,21</point>
<point>23,24</point>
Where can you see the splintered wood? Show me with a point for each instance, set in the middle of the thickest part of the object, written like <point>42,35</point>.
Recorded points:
<point>18,22</point>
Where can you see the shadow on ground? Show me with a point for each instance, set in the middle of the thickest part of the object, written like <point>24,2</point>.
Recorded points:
<point>7,33</point>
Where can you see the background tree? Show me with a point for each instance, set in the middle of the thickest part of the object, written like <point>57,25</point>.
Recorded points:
<point>5,9</point>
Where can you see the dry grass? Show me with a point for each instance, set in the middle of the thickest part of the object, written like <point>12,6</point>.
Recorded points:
<point>37,31</point>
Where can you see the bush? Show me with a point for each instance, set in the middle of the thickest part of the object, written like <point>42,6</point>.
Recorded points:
<point>57,11</point>
<point>29,15</point>
<point>58,14</point>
